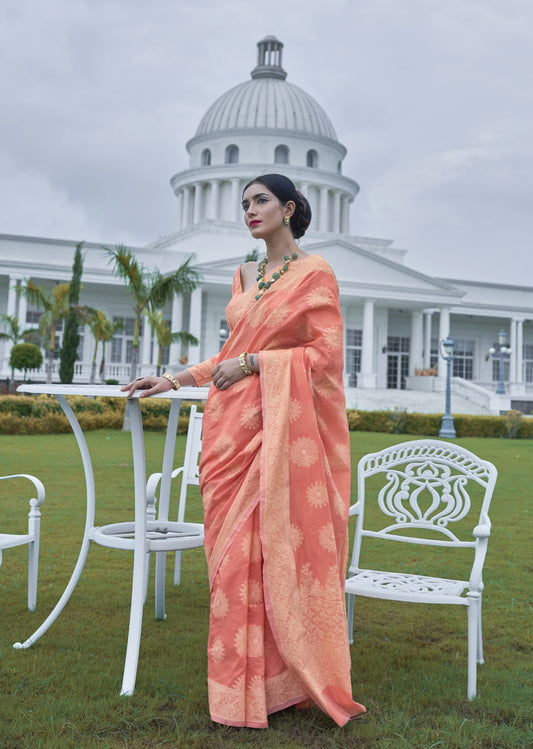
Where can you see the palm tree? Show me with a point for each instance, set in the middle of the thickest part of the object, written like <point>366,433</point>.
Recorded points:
<point>103,330</point>
<point>165,336</point>
<point>55,306</point>
<point>14,334</point>
<point>150,289</point>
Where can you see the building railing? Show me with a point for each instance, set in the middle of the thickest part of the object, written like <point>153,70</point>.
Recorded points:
<point>82,373</point>
<point>477,393</point>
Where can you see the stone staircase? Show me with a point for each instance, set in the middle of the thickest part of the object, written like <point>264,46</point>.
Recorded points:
<point>412,401</point>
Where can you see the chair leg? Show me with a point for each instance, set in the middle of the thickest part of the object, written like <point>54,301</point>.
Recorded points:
<point>480,635</point>
<point>33,572</point>
<point>349,611</point>
<point>160,564</point>
<point>177,568</point>
<point>473,624</point>
<point>146,575</point>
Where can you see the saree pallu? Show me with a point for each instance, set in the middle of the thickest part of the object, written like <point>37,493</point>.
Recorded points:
<point>275,482</point>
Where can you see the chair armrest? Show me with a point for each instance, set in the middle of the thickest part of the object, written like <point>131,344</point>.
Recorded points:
<point>354,509</point>
<point>35,502</point>
<point>153,481</point>
<point>151,486</point>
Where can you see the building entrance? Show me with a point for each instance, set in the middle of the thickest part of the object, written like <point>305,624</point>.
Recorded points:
<point>397,362</point>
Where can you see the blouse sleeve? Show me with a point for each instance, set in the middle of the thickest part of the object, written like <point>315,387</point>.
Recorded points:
<point>202,372</point>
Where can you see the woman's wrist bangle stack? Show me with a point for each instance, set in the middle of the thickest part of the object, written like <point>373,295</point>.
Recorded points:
<point>242,361</point>
<point>176,384</point>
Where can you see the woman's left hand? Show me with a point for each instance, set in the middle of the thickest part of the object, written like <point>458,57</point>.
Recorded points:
<point>226,373</point>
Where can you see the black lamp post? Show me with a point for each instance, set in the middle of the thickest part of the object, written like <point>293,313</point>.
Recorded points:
<point>447,428</point>
<point>502,353</point>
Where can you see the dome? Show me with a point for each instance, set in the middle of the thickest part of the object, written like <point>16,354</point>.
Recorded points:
<point>267,101</point>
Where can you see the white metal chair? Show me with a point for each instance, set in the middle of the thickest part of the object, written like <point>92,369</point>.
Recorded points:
<point>424,488</point>
<point>32,537</point>
<point>189,473</point>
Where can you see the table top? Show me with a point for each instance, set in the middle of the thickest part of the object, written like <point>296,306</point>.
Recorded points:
<point>113,391</point>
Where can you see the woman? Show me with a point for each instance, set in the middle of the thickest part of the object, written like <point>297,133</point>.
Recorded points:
<point>275,477</point>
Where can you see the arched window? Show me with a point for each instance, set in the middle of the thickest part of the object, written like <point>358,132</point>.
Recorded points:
<point>232,155</point>
<point>206,157</point>
<point>281,155</point>
<point>312,158</point>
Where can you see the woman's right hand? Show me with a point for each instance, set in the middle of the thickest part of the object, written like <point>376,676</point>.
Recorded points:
<point>148,385</point>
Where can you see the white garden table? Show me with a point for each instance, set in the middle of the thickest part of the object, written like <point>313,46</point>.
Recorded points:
<point>139,542</point>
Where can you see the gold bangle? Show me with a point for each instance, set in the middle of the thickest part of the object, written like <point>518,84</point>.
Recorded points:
<point>176,384</point>
<point>243,365</point>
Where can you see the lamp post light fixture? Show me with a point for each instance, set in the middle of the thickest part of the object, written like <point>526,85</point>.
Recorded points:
<point>447,427</point>
<point>502,353</point>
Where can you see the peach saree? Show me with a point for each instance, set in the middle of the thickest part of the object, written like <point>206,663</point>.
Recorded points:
<point>275,481</point>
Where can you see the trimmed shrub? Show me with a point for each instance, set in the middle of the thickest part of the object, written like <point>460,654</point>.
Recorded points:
<point>512,423</point>
<point>15,404</point>
<point>369,421</point>
<point>24,414</point>
<point>398,420</point>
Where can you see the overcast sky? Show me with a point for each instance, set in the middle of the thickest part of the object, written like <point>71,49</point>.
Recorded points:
<point>432,98</point>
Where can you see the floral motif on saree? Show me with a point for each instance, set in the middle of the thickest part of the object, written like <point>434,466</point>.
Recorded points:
<point>275,481</point>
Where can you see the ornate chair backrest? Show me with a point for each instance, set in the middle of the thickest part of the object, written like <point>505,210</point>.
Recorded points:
<point>426,488</point>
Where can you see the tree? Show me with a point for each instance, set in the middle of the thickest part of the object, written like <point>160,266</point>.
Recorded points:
<point>150,289</point>
<point>252,255</point>
<point>55,306</point>
<point>15,335</point>
<point>71,338</point>
<point>165,336</point>
<point>25,356</point>
<point>103,330</point>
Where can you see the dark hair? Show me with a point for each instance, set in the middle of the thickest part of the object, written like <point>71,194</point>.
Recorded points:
<point>284,190</point>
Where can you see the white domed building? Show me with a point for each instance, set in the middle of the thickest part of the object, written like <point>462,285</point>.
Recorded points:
<point>394,316</point>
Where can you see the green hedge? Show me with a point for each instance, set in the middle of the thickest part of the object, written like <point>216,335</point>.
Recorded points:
<point>512,424</point>
<point>24,414</point>
<point>43,415</point>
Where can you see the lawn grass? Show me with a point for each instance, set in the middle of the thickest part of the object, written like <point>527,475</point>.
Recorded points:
<point>409,661</point>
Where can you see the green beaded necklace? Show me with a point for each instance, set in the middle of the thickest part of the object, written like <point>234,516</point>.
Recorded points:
<point>264,285</point>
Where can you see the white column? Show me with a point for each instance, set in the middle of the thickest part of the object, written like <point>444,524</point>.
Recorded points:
<point>186,208</point>
<point>345,214</point>
<point>513,368</point>
<point>179,209</point>
<point>367,377</point>
<point>146,359</point>
<point>235,209</point>
<point>12,298</point>
<point>176,325</point>
<point>444,332</point>
<point>427,339</point>
<point>23,310</point>
<point>415,358</point>
<point>213,212</point>
<point>197,205</point>
<point>11,310</point>
<point>195,325</point>
<point>336,211</point>
<point>323,211</point>
<point>520,351</point>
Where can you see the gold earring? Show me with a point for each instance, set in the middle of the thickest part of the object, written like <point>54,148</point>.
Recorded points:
<point>287,220</point>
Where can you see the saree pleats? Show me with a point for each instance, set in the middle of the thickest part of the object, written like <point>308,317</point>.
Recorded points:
<point>275,481</point>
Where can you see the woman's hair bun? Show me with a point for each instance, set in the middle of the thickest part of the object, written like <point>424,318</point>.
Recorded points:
<point>301,218</point>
